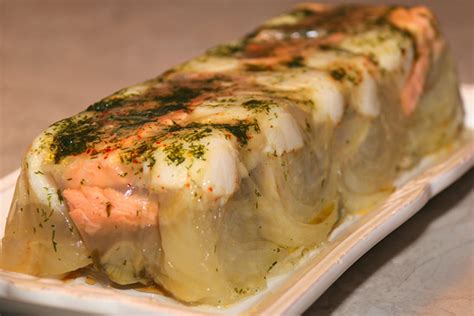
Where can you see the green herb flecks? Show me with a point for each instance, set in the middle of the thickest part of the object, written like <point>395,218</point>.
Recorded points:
<point>197,151</point>
<point>140,150</point>
<point>104,105</point>
<point>136,118</point>
<point>53,239</point>
<point>338,74</point>
<point>180,95</point>
<point>352,75</point>
<point>271,266</point>
<point>258,106</point>
<point>175,153</point>
<point>302,13</point>
<point>226,50</point>
<point>241,291</point>
<point>60,196</point>
<point>296,62</point>
<point>48,195</point>
<point>74,136</point>
<point>240,130</point>
<point>196,134</point>
<point>151,162</point>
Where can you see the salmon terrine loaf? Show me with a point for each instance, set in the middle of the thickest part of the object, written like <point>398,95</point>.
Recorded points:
<point>224,170</point>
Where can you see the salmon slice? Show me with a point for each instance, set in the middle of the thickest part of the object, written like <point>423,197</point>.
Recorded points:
<point>417,21</point>
<point>93,209</point>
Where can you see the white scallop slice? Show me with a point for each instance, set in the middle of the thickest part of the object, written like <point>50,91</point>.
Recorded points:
<point>134,90</point>
<point>211,64</point>
<point>385,45</point>
<point>166,174</point>
<point>221,171</point>
<point>205,113</point>
<point>278,127</point>
<point>217,173</point>
<point>364,97</point>
<point>323,59</point>
<point>317,85</point>
<point>43,186</point>
<point>281,131</point>
<point>284,19</point>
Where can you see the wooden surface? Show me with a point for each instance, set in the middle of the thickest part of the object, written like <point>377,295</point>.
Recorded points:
<point>57,57</point>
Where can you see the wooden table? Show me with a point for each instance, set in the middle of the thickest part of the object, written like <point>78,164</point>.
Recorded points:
<point>57,57</point>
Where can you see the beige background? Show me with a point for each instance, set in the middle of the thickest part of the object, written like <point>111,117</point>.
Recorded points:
<point>57,57</point>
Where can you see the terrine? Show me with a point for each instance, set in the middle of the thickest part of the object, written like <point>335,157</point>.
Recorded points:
<point>225,169</point>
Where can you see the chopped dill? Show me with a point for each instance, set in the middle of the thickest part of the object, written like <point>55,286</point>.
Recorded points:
<point>258,106</point>
<point>296,62</point>
<point>272,265</point>
<point>197,151</point>
<point>60,196</point>
<point>53,235</point>
<point>174,153</point>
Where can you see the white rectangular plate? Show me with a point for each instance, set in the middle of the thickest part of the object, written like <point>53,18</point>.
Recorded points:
<point>290,293</point>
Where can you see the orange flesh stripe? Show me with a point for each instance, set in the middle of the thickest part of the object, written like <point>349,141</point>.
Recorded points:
<point>417,21</point>
<point>94,209</point>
